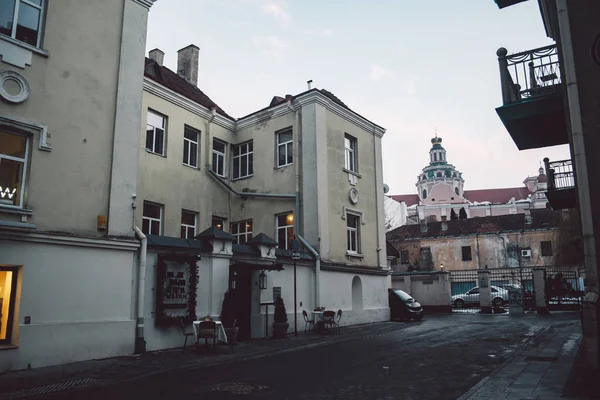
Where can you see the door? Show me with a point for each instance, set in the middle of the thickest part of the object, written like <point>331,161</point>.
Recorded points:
<point>243,301</point>
<point>8,291</point>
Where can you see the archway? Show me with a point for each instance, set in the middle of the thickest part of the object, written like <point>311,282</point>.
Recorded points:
<point>357,298</point>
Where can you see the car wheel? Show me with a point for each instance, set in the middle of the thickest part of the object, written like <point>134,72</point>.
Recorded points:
<point>497,302</point>
<point>459,303</point>
<point>419,317</point>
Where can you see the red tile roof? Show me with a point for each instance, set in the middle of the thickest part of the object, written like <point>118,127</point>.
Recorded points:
<point>494,196</point>
<point>409,199</point>
<point>171,80</point>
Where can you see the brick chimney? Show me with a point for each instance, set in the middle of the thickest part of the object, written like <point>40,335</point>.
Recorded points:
<point>157,55</point>
<point>187,63</point>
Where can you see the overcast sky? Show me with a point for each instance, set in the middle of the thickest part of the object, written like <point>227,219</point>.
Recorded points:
<point>407,65</point>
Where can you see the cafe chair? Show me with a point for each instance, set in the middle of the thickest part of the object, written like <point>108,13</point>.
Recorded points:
<point>185,333</point>
<point>329,319</point>
<point>208,330</point>
<point>307,322</point>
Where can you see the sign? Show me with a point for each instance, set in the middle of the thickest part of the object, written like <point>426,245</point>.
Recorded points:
<point>276,293</point>
<point>295,256</point>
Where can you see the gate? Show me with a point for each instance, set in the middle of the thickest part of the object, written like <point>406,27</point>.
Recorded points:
<point>564,288</point>
<point>464,290</point>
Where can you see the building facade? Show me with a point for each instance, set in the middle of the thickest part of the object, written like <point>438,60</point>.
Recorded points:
<point>69,117</point>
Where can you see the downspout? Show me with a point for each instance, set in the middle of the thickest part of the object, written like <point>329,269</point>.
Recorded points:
<point>209,139</point>
<point>377,194</point>
<point>140,343</point>
<point>296,152</point>
<point>317,270</point>
<point>583,190</point>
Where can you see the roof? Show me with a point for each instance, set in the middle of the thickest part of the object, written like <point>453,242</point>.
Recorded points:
<point>174,242</point>
<point>263,239</point>
<point>494,196</point>
<point>214,233</point>
<point>541,219</point>
<point>391,250</point>
<point>166,77</point>
<point>409,199</point>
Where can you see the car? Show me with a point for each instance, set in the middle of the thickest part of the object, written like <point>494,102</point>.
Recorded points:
<point>529,301</point>
<point>403,306</point>
<point>471,297</point>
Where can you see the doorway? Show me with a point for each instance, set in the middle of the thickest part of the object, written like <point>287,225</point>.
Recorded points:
<point>242,295</point>
<point>8,292</point>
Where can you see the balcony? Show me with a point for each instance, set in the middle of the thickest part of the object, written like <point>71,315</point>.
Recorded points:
<point>532,95</point>
<point>561,184</point>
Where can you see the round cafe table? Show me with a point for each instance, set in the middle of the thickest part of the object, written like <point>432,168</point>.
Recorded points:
<point>318,318</point>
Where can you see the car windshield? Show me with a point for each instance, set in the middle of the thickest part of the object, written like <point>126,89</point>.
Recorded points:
<point>404,296</point>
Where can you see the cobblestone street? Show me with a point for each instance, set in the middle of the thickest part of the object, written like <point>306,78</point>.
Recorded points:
<point>441,357</point>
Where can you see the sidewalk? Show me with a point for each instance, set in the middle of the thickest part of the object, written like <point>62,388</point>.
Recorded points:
<point>540,370</point>
<point>95,373</point>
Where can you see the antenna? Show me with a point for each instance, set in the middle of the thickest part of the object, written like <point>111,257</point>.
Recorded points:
<point>436,132</point>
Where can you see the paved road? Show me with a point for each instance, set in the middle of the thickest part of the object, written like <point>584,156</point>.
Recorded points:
<point>440,357</point>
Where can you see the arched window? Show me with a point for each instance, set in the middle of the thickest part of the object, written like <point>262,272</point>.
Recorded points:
<point>434,156</point>
<point>439,174</point>
<point>357,298</point>
<point>424,176</point>
<point>424,194</point>
<point>456,190</point>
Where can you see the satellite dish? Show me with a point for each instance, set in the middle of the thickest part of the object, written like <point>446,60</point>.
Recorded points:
<point>386,188</point>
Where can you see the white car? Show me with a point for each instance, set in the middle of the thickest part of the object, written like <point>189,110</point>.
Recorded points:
<point>470,298</point>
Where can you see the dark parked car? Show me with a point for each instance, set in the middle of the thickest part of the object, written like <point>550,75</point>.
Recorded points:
<point>403,307</point>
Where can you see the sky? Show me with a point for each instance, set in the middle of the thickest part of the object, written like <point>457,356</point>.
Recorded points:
<point>411,66</point>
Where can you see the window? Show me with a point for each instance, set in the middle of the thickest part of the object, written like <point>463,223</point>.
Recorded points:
<point>474,291</point>
<point>22,20</point>
<point>285,230</point>
<point>285,149</point>
<point>546,248</point>
<point>152,218</point>
<point>155,133</point>
<point>353,232</point>
<point>242,160</point>
<point>8,293</point>
<point>191,138</point>
<point>466,253</point>
<point>218,157</point>
<point>242,231</point>
<point>351,161</point>
<point>218,222</point>
<point>424,194</point>
<point>404,257</point>
<point>13,166</point>
<point>434,156</point>
<point>189,221</point>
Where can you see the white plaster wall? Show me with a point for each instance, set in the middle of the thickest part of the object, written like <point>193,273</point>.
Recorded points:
<point>79,301</point>
<point>435,294</point>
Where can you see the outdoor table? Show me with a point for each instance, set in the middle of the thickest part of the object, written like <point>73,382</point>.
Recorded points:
<point>221,335</point>
<point>318,318</point>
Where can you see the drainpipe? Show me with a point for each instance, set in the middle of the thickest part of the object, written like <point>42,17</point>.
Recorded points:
<point>296,151</point>
<point>140,343</point>
<point>583,189</point>
<point>377,194</point>
<point>209,139</point>
<point>317,270</point>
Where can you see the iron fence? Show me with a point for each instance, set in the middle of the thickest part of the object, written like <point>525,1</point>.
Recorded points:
<point>564,288</point>
<point>560,174</point>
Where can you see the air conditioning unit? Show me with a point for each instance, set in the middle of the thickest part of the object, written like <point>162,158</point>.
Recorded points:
<point>526,253</point>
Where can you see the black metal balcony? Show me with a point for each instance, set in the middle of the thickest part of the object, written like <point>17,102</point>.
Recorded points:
<point>561,187</point>
<point>532,96</point>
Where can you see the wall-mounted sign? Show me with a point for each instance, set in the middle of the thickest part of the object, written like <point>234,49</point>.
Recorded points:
<point>177,278</point>
<point>276,293</point>
<point>596,50</point>
<point>7,193</point>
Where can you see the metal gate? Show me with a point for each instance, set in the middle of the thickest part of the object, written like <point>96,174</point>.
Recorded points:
<point>564,288</point>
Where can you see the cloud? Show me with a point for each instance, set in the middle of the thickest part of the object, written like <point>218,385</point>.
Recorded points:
<point>378,73</point>
<point>269,45</point>
<point>277,11</point>
<point>318,32</point>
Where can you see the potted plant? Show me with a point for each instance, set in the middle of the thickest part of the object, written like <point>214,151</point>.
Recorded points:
<point>228,318</point>
<point>280,319</point>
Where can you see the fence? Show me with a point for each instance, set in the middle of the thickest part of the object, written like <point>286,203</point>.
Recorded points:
<point>564,288</point>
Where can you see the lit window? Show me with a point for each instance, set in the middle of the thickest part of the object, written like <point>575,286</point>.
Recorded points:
<point>8,298</point>
<point>242,160</point>
<point>285,230</point>
<point>28,17</point>
<point>152,218</point>
<point>353,232</point>
<point>191,137</point>
<point>350,151</point>
<point>155,133</point>
<point>218,157</point>
<point>189,221</point>
<point>242,231</point>
<point>218,222</point>
<point>13,166</point>
<point>285,149</point>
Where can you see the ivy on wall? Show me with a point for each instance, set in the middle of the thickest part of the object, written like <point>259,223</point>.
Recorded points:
<point>163,316</point>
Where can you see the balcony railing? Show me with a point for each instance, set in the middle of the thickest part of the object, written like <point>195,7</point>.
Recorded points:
<point>529,74</point>
<point>560,174</point>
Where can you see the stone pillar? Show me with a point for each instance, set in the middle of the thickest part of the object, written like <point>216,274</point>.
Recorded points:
<point>407,284</point>
<point>485,294</point>
<point>447,292</point>
<point>539,287</point>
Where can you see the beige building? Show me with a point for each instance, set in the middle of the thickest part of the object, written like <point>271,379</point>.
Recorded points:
<point>69,118</point>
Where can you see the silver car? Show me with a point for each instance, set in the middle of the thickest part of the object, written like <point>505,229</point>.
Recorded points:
<point>499,297</point>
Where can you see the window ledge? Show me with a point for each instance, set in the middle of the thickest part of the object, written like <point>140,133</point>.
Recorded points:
<point>156,154</point>
<point>12,224</point>
<point>191,166</point>
<point>242,178</point>
<point>24,45</point>
<point>14,210</point>
<point>283,166</point>
<point>8,347</point>
<point>354,254</point>
<point>352,173</point>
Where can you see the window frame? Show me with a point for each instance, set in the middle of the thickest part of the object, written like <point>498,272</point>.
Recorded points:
<point>349,232</point>
<point>287,246</point>
<point>548,249</point>
<point>218,154</point>
<point>153,219</point>
<point>237,233</point>
<point>466,258</point>
<point>288,145</point>
<point>249,154</point>
<point>351,154</point>
<point>220,219</point>
<point>187,226</point>
<point>164,134</point>
<point>188,143</point>
<point>25,162</point>
<point>40,27</point>
<point>404,257</point>
<point>12,302</point>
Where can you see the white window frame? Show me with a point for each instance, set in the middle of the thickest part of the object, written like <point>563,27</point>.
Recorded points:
<point>152,220</point>
<point>4,192</point>
<point>285,228</point>
<point>221,219</point>
<point>15,20</point>
<point>350,156</point>
<point>237,233</point>
<point>353,231</point>
<point>189,144</point>
<point>236,173</point>
<point>288,145</point>
<point>154,132</point>
<point>187,227</point>
<point>219,155</point>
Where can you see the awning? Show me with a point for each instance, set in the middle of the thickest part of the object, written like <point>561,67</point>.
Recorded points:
<point>256,265</point>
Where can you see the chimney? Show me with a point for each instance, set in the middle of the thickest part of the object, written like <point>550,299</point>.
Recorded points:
<point>157,55</point>
<point>444,223</point>
<point>423,224</point>
<point>528,218</point>
<point>309,83</point>
<point>187,63</point>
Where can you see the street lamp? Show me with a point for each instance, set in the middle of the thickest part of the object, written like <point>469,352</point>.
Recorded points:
<point>262,280</point>
<point>442,267</point>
